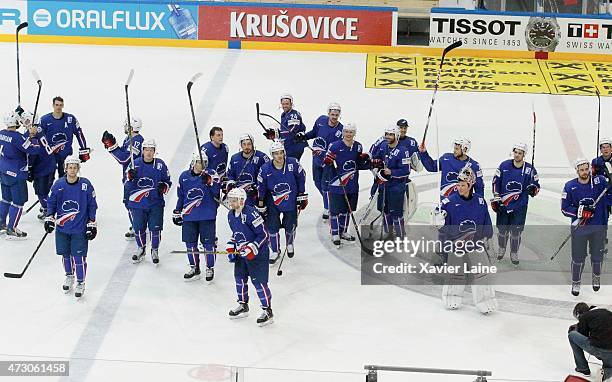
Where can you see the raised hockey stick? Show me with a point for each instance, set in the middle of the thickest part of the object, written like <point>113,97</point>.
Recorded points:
<point>39,84</point>
<point>598,120</point>
<point>19,28</point>
<point>20,275</point>
<point>129,120</point>
<point>578,222</point>
<point>452,46</point>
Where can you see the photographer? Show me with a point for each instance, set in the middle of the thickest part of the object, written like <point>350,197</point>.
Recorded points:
<point>593,334</point>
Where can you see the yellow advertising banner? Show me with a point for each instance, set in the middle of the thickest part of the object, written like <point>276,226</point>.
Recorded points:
<point>489,75</point>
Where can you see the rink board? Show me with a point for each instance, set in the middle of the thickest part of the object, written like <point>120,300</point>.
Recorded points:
<point>504,75</point>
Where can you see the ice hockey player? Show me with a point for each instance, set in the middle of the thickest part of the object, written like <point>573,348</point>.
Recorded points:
<point>248,250</point>
<point>514,182</point>
<point>125,155</point>
<point>196,212</point>
<point>217,152</point>
<point>71,209</point>
<point>466,218</point>
<point>59,129</point>
<point>605,149</point>
<point>145,187</point>
<point>589,220</point>
<point>326,129</point>
<point>449,166</point>
<point>244,167</point>
<point>345,158</point>
<point>290,125</point>
<point>14,150</point>
<point>41,165</point>
<point>281,187</point>
<point>391,163</point>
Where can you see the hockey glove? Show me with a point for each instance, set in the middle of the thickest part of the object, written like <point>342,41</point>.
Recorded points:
<point>329,158</point>
<point>228,186</point>
<point>30,175</point>
<point>586,212</point>
<point>177,217</point>
<point>270,134</point>
<point>300,137</point>
<point>230,248</point>
<point>533,190</point>
<point>252,191</point>
<point>131,174</point>
<point>109,141</point>
<point>364,161</point>
<point>496,203</point>
<point>206,178</point>
<point>49,224</point>
<point>378,163</point>
<point>162,188</point>
<point>84,154</point>
<point>261,208</point>
<point>91,231</point>
<point>381,177</point>
<point>249,251</point>
<point>608,172</point>
<point>302,201</point>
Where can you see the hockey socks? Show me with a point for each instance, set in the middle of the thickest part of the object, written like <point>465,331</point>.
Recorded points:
<point>242,290</point>
<point>68,265</point>
<point>275,242</point>
<point>515,242</point>
<point>14,215</point>
<point>577,271</point>
<point>155,239</point>
<point>264,294</point>
<point>192,256</point>
<point>141,238</point>
<point>80,266</point>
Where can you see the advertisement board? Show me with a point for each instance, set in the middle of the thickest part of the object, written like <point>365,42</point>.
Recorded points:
<point>306,24</point>
<point>110,19</point>
<point>521,32</point>
<point>12,13</point>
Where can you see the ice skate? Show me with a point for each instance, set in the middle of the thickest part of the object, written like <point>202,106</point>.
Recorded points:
<point>68,283</point>
<point>266,317</point>
<point>193,274</point>
<point>210,274</point>
<point>139,256</point>
<point>575,288</point>
<point>596,282</point>
<point>241,311</point>
<point>79,290</point>
<point>290,250</point>
<point>15,234</point>
<point>130,235</point>
<point>155,255</point>
<point>514,258</point>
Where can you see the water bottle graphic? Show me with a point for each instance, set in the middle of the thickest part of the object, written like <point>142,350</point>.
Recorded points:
<point>183,23</point>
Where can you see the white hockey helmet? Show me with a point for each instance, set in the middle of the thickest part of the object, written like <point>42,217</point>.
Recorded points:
<point>464,143</point>
<point>286,96</point>
<point>11,119</point>
<point>580,161</point>
<point>334,106</point>
<point>520,146</point>
<point>135,123</point>
<point>467,175</point>
<point>72,159</point>
<point>149,143</point>
<point>237,193</point>
<point>393,129</point>
<point>25,119</point>
<point>276,146</point>
<point>246,137</point>
<point>195,156</point>
<point>350,126</point>
<point>604,141</point>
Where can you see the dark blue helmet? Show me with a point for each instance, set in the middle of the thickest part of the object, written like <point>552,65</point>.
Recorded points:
<point>402,123</point>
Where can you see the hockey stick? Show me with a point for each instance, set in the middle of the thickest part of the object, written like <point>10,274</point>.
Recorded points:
<point>129,120</point>
<point>31,207</point>
<point>39,83</point>
<point>598,120</point>
<point>452,46</point>
<point>346,199</point>
<point>265,115</point>
<point>201,252</point>
<point>20,275</point>
<point>19,28</point>
<point>578,222</point>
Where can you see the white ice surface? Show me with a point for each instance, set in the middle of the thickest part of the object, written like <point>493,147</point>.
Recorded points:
<point>325,320</point>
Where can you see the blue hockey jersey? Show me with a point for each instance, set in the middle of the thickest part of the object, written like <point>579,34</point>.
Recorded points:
<point>281,186</point>
<point>142,192</point>
<point>42,162</point>
<point>398,161</point>
<point>243,171</point>
<point>466,218</point>
<point>124,156</point>
<point>60,132</point>
<point>347,166</point>
<point>217,158</point>
<point>14,150</point>
<point>598,165</point>
<point>576,194</point>
<point>72,204</point>
<point>248,227</point>
<point>323,135</point>
<point>196,199</point>
<point>450,168</point>
<point>511,183</point>
<point>291,124</point>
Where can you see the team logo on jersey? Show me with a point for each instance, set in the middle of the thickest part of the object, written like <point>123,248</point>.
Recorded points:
<point>467,230</point>
<point>281,193</point>
<point>195,197</point>
<point>246,180</point>
<point>145,186</point>
<point>351,168</point>
<point>70,209</point>
<point>58,141</point>
<point>451,177</point>
<point>239,238</point>
<point>586,202</point>
<point>221,168</point>
<point>319,146</point>
<point>515,189</point>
